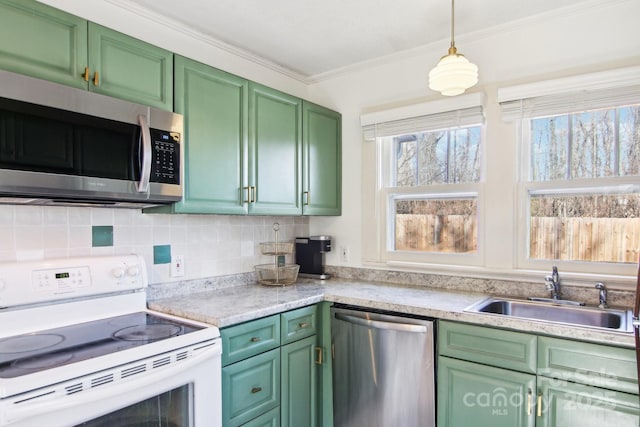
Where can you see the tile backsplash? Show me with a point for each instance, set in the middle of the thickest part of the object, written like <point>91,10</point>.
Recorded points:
<point>212,245</point>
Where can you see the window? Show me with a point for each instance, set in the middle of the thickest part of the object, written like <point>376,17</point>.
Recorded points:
<point>579,188</point>
<point>583,201</point>
<point>427,221</point>
<point>429,181</point>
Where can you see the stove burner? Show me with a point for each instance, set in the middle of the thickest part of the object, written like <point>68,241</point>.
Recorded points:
<point>26,343</point>
<point>151,332</point>
<point>45,361</point>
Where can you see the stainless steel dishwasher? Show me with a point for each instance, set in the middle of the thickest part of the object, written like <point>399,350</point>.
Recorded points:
<point>383,369</point>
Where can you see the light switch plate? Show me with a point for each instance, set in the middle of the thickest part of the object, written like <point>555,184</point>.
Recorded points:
<point>177,266</point>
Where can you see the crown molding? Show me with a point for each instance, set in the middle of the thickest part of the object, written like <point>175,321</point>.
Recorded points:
<point>198,35</point>
<point>428,48</point>
<point>462,39</point>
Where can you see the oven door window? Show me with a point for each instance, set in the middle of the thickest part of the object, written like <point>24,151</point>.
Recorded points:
<point>169,409</point>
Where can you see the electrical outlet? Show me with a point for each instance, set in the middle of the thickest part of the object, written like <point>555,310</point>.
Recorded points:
<point>344,253</point>
<point>177,266</point>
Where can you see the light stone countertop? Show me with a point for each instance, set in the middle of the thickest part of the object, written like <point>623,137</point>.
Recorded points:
<point>237,304</point>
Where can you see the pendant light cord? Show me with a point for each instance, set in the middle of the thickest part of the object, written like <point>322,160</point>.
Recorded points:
<point>453,43</point>
<point>452,48</point>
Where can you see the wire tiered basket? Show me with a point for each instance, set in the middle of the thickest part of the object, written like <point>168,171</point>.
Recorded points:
<point>277,273</point>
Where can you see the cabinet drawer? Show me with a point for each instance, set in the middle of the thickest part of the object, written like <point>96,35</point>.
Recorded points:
<point>270,419</point>
<point>298,324</point>
<point>494,347</point>
<point>251,388</point>
<point>251,338</point>
<point>612,368</point>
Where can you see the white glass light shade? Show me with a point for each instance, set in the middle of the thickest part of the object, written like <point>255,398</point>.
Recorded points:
<point>453,75</point>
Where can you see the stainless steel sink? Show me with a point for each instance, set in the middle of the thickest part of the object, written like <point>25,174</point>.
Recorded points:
<point>611,319</point>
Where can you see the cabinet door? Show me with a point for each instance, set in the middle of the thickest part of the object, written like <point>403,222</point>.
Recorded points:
<point>275,136</point>
<point>322,154</point>
<point>470,394</point>
<point>299,384</point>
<point>214,105</point>
<point>565,404</point>
<point>43,42</point>
<point>130,69</point>
<point>250,388</point>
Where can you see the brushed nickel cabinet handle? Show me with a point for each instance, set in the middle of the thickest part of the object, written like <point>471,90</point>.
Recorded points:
<point>318,355</point>
<point>255,339</point>
<point>303,325</point>
<point>529,397</point>
<point>307,198</point>
<point>248,200</point>
<point>539,411</point>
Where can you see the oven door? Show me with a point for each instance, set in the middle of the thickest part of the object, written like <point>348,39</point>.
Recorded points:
<point>184,393</point>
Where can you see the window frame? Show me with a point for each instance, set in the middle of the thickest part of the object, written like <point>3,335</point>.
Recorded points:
<point>387,193</point>
<point>525,187</point>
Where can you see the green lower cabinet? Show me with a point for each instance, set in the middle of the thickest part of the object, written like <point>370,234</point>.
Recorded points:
<point>252,387</point>
<point>574,383</point>
<point>566,404</point>
<point>299,383</point>
<point>296,392</point>
<point>471,394</point>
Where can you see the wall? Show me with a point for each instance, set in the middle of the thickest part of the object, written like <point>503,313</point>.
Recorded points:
<point>602,36</point>
<point>212,245</point>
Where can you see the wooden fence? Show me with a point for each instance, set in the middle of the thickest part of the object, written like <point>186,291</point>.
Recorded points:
<point>436,233</point>
<point>584,239</point>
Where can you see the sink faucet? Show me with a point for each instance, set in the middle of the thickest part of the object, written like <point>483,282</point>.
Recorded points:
<point>553,283</point>
<point>602,295</point>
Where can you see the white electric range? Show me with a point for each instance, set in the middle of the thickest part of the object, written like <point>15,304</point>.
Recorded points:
<point>78,346</point>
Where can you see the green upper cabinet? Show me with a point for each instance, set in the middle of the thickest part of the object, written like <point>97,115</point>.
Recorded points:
<point>322,160</point>
<point>128,68</point>
<point>40,41</point>
<point>275,148</point>
<point>44,42</point>
<point>214,105</point>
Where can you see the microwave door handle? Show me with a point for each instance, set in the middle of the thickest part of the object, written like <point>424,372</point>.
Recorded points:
<point>145,172</point>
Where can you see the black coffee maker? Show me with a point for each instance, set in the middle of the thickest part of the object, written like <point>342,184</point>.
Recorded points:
<point>310,255</point>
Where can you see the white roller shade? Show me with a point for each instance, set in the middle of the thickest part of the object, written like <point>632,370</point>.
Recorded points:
<point>465,110</point>
<point>570,95</point>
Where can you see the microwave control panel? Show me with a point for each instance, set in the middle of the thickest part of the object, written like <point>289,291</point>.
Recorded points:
<point>165,166</point>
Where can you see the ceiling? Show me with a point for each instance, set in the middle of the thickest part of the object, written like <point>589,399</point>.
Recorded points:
<point>313,37</point>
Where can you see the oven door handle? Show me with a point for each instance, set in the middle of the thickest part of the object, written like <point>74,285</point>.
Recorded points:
<point>73,409</point>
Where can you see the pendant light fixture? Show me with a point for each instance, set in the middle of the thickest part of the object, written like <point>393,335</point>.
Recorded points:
<point>454,73</point>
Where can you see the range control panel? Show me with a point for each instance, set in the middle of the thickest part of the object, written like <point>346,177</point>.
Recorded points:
<point>34,282</point>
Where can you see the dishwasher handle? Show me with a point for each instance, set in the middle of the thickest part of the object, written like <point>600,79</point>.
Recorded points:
<point>378,324</point>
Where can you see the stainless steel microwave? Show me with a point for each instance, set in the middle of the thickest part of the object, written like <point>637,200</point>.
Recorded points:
<point>61,145</point>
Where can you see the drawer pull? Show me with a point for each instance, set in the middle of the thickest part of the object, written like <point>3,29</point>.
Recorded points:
<point>539,412</point>
<point>303,325</point>
<point>529,398</point>
<point>255,390</point>
<point>318,355</point>
<point>86,74</point>
<point>96,79</point>
<point>255,339</point>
